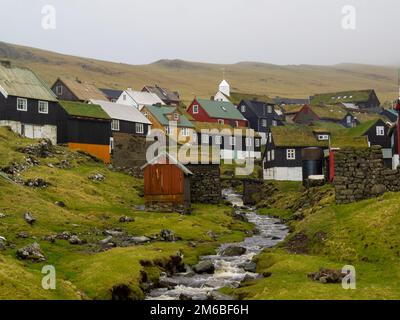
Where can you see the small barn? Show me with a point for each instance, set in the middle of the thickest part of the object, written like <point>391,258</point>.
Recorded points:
<point>166,185</point>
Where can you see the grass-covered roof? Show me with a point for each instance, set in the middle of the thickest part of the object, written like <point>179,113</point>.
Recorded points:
<point>295,136</point>
<point>236,97</point>
<point>351,96</point>
<point>79,109</point>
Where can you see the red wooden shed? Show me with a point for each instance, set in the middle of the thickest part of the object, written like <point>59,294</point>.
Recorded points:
<point>166,185</point>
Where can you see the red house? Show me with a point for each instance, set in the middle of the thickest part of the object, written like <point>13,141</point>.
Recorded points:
<point>221,112</point>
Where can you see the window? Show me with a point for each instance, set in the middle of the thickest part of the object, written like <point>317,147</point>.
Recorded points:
<point>195,109</point>
<point>111,144</point>
<point>274,123</point>
<point>232,141</point>
<point>270,137</point>
<point>22,104</point>
<point>243,108</point>
<point>269,109</point>
<point>145,114</point>
<point>176,116</point>
<point>264,122</point>
<point>290,154</point>
<point>348,119</point>
<point>237,123</point>
<point>380,131</point>
<point>269,156</point>
<point>249,142</point>
<point>43,107</point>
<point>205,139</point>
<point>139,128</point>
<point>218,139</point>
<point>115,125</point>
<point>272,155</point>
<point>257,142</point>
<point>185,132</point>
<point>169,130</point>
<point>59,90</point>
<point>221,121</point>
<point>323,137</point>
<point>124,97</point>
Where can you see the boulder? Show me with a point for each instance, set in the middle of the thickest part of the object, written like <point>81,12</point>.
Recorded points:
<point>233,251</point>
<point>75,240</point>
<point>249,267</point>
<point>29,218</point>
<point>185,297</point>
<point>106,240</point>
<point>325,275</point>
<point>378,189</point>
<point>36,183</point>
<point>65,235</point>
<point>168,283</point>
<point>114,232</point>
<point>138,240</point>
<point>31,252</point>
<point>3,242</point>
<point>23,235</point>
<point>205,266</point>
<point>212,235</point>
<point>126,219</point>
<point>168,235</point>
<point>50,238</point>
<point>60,204</point>
<point>97,177</point>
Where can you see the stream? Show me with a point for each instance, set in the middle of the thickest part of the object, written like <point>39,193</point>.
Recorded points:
<point>229,270</point>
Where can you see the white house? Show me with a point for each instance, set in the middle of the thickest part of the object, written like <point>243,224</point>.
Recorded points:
<point>138,99</point>
<point>224,92</point>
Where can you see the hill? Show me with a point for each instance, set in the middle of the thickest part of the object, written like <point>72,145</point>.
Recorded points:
<point>202,79</point>
<point>68,202</point>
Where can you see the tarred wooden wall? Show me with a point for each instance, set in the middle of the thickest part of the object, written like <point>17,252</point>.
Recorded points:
<point>163,179</point>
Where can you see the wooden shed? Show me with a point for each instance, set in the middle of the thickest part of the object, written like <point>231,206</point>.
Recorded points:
<point>166,185</point>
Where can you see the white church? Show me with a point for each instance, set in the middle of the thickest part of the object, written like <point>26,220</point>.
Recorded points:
<point>224,92</point>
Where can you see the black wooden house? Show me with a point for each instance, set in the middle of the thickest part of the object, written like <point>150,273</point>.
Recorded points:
<point>27,105</point>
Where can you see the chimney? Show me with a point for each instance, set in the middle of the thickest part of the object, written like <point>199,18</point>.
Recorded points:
<point>5,63</point>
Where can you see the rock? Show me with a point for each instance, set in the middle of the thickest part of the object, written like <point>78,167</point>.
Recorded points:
<point>2,215</point>
<point>106,240</point>
<point>97,177</point>
<point>60,204</point>
<point>50,238</point>
<point>325,275</point>
<point>168,283</point>
<point>249,267</point>
<point>250,277</point>
<point>240,216</point>
<point>168,235</point>
<point>75,240</point>
<point>31,252</point>
<point>23,235</point>
<point>3,242</point>
<point>212,235</point>
<point>29,218</point>
<point>36,183</point>
<point>65,235</point>
<point>185,297</point>
<point>266,274</point>
<point>298,244</point>
<point>126,219</point>
<point>215,295</point>
<point>378,189</point>
<point>139,240</point>
<point>233,251</point>
<point>114,232</point>
<point>205,266</point>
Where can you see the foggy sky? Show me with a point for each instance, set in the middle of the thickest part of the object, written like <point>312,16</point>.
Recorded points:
<point>220,31</point>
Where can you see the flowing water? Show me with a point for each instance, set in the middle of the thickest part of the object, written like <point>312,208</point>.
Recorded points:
<point>229,270</point>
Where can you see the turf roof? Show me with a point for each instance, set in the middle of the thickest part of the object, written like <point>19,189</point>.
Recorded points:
<point>79,109</point>
<point>342,96</point>
<point>296,136</point>
<point>236,97</point>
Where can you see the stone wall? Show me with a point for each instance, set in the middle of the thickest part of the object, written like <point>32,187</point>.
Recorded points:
<point>129,152</point>
<point>360,174</point>
<point>169,207</point>
<point>252,191</point>
<point>205,184</point>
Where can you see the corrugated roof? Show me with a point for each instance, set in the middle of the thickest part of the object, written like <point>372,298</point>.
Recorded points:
<point>121,111</point>
<point>85,110</point>
<point>82,90</point>
<point>220,109</point>
<point>144,98</point>
<point>163,93</point>
<point>161,112</point>
<point>22,82</point>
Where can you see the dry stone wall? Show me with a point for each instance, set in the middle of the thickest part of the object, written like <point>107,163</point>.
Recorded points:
<point>205,184</point>
<point>361,174</point>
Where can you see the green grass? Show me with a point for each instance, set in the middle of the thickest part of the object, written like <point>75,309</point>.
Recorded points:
<point>91,208</point>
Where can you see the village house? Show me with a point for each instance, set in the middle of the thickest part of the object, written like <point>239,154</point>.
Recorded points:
<point>391,114</point>
<point>169,97</point>
<point>365,100</point>
<point>232,142</point>
<point>166,185</point>
<point>87,127</point>
<point>124,120</point>
<point>309,115</point>
<point>138,99</point>
<point>27,105</point>
<point>224,92</point>
<point>260,115</point>
<point>290,101</point>
<point>220,112</point>
<point>76,90</point>
<point>285,149</point>
<point>111,94</point>
<point>162,117</point>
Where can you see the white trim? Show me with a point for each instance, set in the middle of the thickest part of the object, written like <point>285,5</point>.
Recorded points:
<point>46,107</point>
<point>380,130</point>
<point>290,154</point>
<point>25,104</point>
<point>115,125</point>
<point>195,107</point>
<point>4,92</point>
<point>139,127</point>
<point>218,140</point>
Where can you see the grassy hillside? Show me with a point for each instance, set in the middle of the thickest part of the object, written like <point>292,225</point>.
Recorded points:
<point>91,207</point>
<point>363,234</point>
<point>202,79</point>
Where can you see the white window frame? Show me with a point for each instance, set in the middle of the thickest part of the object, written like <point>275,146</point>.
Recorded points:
<point>232,141</point>
<point>349,119</point>
<point>237,123</point>
<point>290,154</point>
<point>111,144</point>
<point>268,156</point>
<point>205,139</point>
<point>24,104</point>
<point>44,104</point>
<point>323,137</point>
<point>257,143</point>
<point>269,109</point>
<point>195,109</point>
<point>249,142</point>
<point>139,128</point>
<point>243,108</point>
<point>264,123</point>
<point>218,139</point>
<point>168,130</point>
<point>185,132</point>
<point>270,137</point>
<point>380,130</point>
<point>115,125</point>
<point>59,90</point>
<point>221,121</point>
<point>272,155</point>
